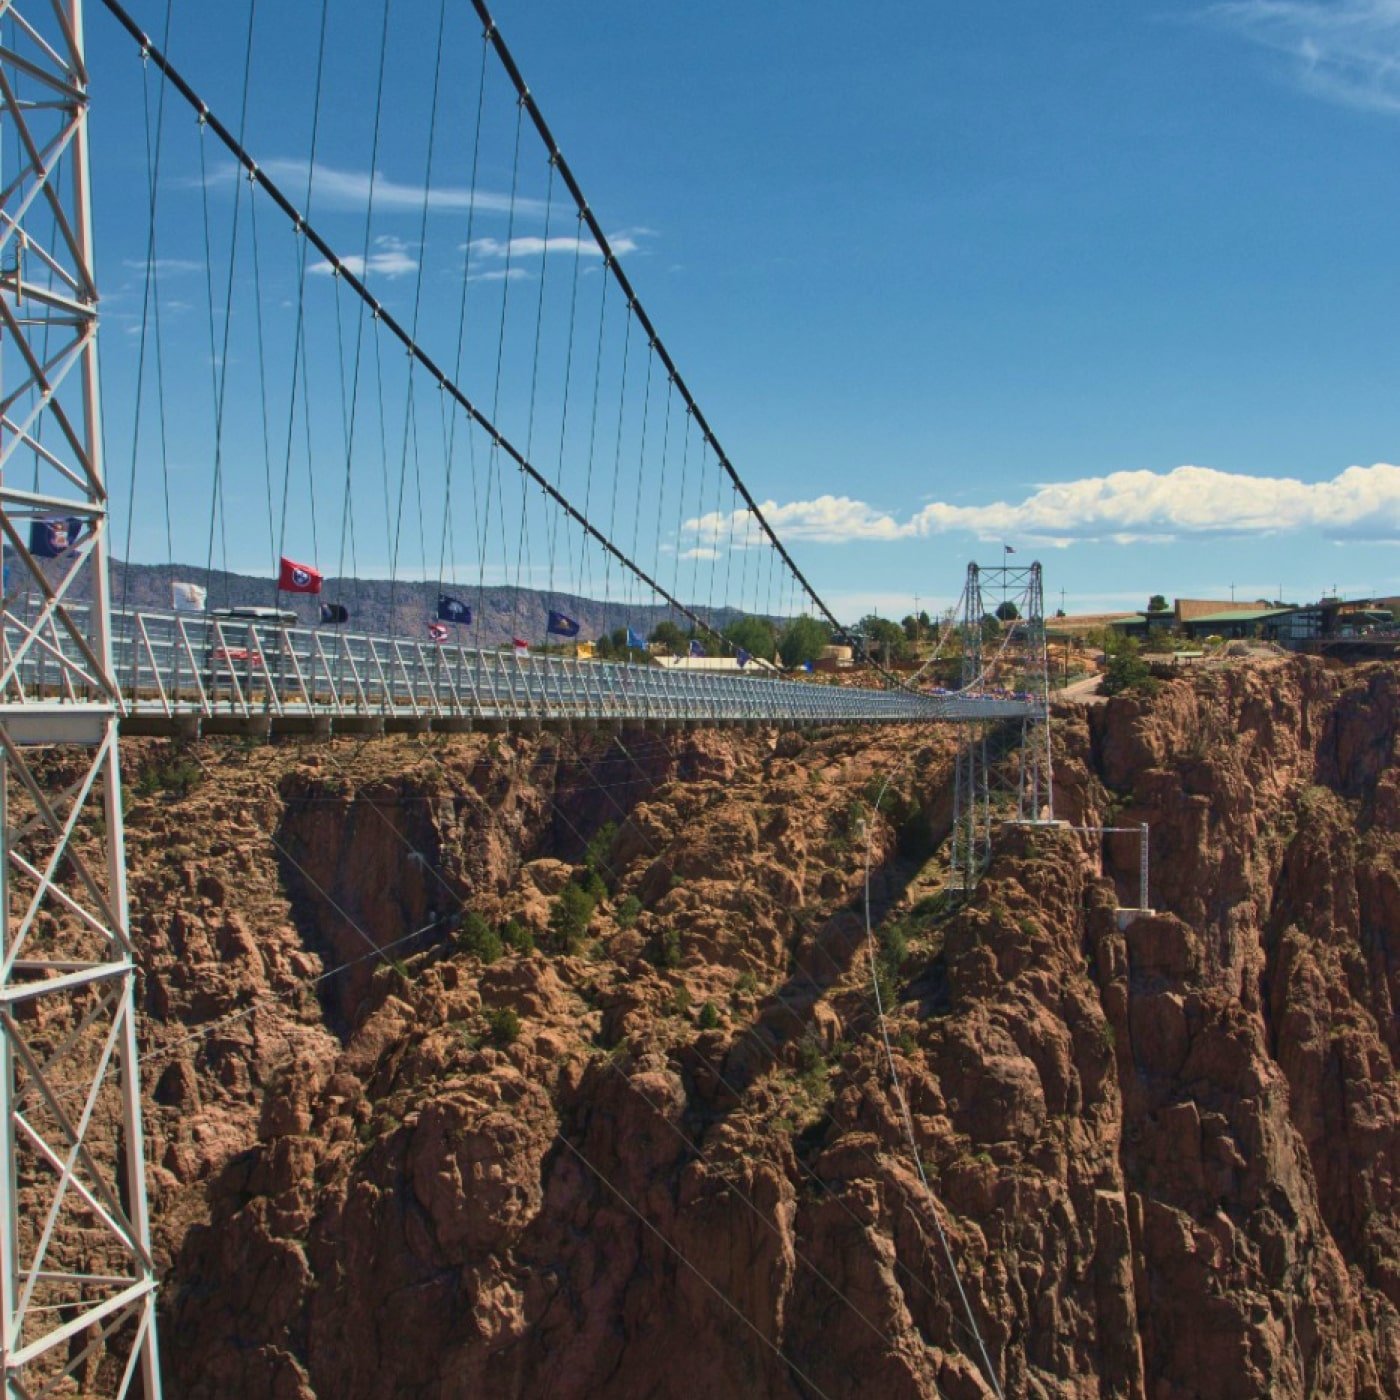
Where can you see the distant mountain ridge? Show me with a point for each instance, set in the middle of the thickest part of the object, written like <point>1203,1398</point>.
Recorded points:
<point>405,608</point>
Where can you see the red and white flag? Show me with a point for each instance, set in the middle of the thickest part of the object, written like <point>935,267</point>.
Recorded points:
<point>522,647</point>
<point>298,578</point>
<point>438,631</point>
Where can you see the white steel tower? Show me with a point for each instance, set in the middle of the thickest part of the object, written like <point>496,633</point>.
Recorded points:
<point>77,1284</point>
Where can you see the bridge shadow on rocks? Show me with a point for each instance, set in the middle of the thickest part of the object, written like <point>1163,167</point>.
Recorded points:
<point>383,859</point>
<point>827,995</point>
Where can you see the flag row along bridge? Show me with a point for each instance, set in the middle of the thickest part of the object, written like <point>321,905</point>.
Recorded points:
<point>524,417</point>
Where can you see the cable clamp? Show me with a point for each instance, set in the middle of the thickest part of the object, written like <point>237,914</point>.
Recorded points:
<point>524,99</point>
<point>252,172</point>
<point>202,116</point>
<point>376,311</point>
<point>489,30</point>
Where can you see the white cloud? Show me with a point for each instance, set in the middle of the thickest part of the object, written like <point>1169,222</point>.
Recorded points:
<point>1122,507</point>
<point>499,274</point>
<point>700,552</point>
<point>529,246</point>
<point>391,258</point>
<point>1346,51</point>
<point>340,190</point>
<point>163,267</point>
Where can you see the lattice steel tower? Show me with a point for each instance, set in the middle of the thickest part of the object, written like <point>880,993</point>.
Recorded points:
<point>1000,774</point>
<point>77,1284</point>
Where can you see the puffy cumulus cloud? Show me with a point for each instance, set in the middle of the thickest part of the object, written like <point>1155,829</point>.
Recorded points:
<point>1345,51</point>
<point>1123,507</point>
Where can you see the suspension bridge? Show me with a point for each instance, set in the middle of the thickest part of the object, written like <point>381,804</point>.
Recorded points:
<point>441,381</point>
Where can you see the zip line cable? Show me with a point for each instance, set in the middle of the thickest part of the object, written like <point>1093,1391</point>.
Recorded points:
<point>378,950</point>
<point>425,863</point>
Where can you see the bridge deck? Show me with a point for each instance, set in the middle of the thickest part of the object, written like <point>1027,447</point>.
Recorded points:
<point>185,672</point>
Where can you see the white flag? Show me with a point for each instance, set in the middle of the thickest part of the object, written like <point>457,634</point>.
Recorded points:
<point>187,597</point>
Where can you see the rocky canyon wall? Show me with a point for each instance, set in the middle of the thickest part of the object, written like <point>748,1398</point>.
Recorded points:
<point>662,1153</point>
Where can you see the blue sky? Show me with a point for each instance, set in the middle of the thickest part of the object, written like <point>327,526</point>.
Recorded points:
<point>939,276</point>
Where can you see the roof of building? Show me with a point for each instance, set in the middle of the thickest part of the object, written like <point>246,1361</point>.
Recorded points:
<point>1249,614</point>
<point>1193,609</point>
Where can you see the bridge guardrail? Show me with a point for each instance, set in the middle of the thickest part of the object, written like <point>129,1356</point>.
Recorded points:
<point>171,664</point>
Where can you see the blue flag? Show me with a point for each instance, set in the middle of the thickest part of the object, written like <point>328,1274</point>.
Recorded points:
<point>696,649</point>
<point>453,610</point>
<point>50,538</point>
<point>334,613</point>
<point>807,666</point>
<point>744,658</point>
<point>636,640</point>
<point>561,626</point>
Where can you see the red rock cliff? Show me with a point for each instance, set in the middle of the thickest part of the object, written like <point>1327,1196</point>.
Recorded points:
<point>1165,1157</point>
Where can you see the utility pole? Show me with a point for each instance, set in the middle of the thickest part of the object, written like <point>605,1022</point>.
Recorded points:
<point>77,1281</point>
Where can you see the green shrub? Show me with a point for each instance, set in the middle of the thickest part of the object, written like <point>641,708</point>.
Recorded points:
<point>569,918</point>
<point>517,936</point>
<point>478,938</point>
<point>503,1024</point>
<point>809,1055</point>
<point>709,1016</point>
<point>593,885</point>
<point>1125,669</point>
<point>680,1000</point>
<point>747,983</point>
<point>597,856</point>
<point>667,950</point>
<point>175,775</point>
<point>893,948</point>
<point>627,911</point>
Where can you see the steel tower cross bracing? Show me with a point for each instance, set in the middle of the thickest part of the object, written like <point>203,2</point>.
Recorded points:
<point>1002,772</point>
<point>77,1283</point>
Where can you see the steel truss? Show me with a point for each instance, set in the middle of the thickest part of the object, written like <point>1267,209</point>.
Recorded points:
<point>1003,768</point>
<point>77,1283</point>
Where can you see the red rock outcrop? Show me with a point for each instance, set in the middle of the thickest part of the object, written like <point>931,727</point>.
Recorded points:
<point>668,1157</point>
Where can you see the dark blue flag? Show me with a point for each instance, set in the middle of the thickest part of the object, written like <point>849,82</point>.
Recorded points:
<point>453,610</point>
<point>561,626</point>
<point>636,640</point>
<point>696,649</point>
<point>807,666</point>
<point>50,538</point>
<point>744,658</point>
<point>334,612</point>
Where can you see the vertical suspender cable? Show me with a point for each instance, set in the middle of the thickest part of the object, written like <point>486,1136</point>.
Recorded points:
<point>299,332</point>
<point>347,510</point>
